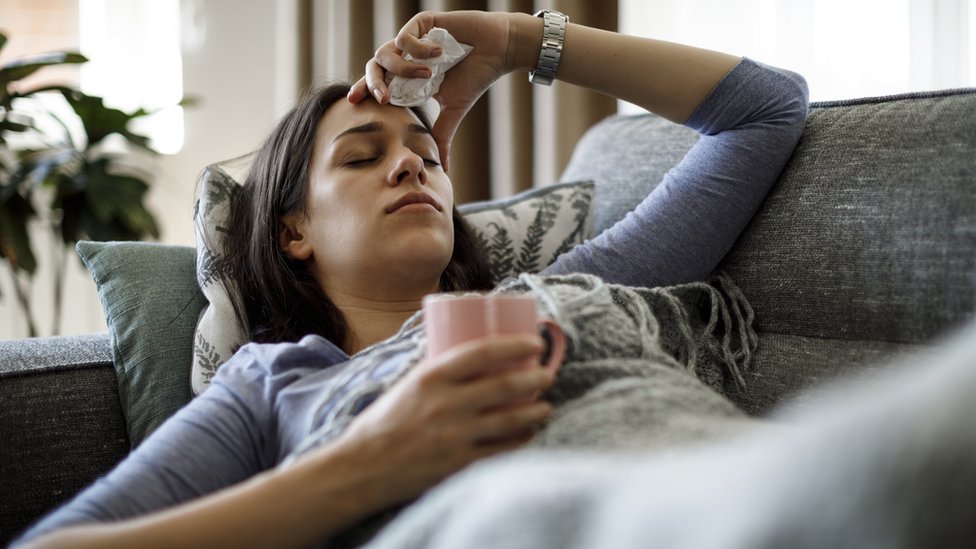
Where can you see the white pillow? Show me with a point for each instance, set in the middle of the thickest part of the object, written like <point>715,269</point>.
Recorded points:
<point>523,233</point>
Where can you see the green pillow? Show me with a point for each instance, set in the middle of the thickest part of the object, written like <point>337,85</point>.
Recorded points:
<point>152,302</point>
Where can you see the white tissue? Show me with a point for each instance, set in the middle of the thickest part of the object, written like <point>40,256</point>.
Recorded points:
<point>412,92</point>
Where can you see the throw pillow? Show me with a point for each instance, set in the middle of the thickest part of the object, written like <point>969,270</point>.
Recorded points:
<point>218,334</point>
<point>523,233</point>
<point>151,302</point>
<point>527,232</point>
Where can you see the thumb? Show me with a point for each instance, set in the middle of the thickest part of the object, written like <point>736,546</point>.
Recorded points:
<point>444,130</point>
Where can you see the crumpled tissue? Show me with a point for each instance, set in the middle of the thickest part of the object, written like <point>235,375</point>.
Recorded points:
<point>413,92</point>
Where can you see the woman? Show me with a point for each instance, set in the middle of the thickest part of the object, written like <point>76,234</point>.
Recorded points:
<point>365,231</point>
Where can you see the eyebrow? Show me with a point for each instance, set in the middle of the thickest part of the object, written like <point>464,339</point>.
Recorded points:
<point>371,127</point>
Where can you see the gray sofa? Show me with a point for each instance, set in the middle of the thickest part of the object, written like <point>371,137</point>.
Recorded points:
<point>865,250</point>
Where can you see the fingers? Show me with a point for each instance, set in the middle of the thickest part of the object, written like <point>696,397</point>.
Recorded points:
<point>389,59</point>
<point>489,383</point>
<point>358,91</point>
<point>369,85</point>
<point>443,134</point>
<point>408,39</point>
<point>517,422</point>
<point>375,81</point>
<point>447,122</point>
<point>481,356</point>
<point>501,389</point>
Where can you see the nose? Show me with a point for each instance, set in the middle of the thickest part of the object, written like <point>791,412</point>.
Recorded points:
<point>407,166</point>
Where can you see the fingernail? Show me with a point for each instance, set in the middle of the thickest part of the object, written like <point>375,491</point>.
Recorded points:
<point>378,95</point>
<point>434,52</point>
<point>422,73</point>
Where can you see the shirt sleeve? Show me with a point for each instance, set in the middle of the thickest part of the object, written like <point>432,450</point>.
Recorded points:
<point>218,439</point>
<point>749,125</point>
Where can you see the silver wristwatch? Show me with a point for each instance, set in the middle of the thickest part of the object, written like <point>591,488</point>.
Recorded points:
<point>553,33</point>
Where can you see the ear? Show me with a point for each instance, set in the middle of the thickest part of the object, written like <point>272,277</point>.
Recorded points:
<point>292,238</point>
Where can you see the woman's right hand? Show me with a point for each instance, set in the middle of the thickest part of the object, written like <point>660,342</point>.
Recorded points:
<point>446,413</point>
<point>495,37</point>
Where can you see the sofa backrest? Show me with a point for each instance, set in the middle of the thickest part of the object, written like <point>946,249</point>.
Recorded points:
<point>865,248</point>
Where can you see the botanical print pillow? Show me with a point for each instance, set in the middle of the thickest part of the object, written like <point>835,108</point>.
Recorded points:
<point>218,333</point>
<point>524,233</point>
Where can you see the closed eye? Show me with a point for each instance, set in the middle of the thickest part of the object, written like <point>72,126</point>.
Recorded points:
<point>360,161</point>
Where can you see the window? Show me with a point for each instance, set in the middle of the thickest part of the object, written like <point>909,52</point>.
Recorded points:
<point>135,61</point>
<point>844,48</point>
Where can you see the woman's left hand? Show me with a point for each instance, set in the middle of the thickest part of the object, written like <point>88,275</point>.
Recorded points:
<point>493,36</point>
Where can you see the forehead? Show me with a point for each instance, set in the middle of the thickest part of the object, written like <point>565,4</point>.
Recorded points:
<point>343,115</point>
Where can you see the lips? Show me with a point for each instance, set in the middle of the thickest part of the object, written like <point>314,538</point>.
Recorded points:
<point>414,198</point>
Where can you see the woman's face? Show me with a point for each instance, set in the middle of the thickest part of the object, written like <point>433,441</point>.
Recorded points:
<point>379,205</point>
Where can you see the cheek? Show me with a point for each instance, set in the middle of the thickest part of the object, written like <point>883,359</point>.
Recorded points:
<point>447,192</point>
<point>337,221</point>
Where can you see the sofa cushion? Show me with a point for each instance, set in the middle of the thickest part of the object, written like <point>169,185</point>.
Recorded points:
<point>785,366</point>
<point>36,354</point>
<point>867,239</point>
<point>151,303</point>
<point>60,427</point>
<point>871,232</point>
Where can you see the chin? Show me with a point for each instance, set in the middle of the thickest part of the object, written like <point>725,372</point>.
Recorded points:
<point>423,252</point>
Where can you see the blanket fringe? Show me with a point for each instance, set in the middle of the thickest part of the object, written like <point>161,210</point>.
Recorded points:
<point>733,311</point>
<point>727,335</point>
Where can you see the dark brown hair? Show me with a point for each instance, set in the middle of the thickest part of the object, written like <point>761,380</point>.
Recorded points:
<point>278,298</point>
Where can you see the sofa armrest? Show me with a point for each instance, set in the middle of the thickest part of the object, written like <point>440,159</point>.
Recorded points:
<point>61,423</point>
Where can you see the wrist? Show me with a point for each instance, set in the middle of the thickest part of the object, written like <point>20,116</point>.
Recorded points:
<point>334,486</point>
<point>526,41</point>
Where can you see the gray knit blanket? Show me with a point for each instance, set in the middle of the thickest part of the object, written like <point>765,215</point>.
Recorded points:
<point>645,369</point>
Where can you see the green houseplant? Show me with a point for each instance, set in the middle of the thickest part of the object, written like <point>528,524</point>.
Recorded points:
<point>71,185</point>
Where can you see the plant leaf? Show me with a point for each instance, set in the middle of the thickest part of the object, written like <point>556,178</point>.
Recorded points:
<point>15,246</point>
<point>128,193</point>
<point>101,121</point>
<point>107,206</point>
<point>39,167</point>
<point>41,89</point>
<point>25,66</point>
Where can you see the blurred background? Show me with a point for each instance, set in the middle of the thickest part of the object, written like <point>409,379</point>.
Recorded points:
<point>246,61</point>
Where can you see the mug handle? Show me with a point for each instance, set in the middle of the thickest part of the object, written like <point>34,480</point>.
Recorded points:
<point>556,340</point>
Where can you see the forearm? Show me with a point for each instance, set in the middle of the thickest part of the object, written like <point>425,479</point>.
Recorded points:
<point>665,78</point>
<point>291,507</point>
<point>750,125</point>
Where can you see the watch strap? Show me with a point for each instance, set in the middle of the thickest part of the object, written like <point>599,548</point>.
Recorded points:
<point>553,35</point>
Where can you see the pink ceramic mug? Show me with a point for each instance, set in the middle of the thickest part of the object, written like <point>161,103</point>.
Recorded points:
<point>453,318</point>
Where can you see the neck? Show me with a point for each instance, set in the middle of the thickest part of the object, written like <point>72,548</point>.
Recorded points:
<point>371,320</point>
<point>370,326</point>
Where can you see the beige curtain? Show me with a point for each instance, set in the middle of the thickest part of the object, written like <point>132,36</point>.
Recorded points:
<point>516,137</point>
